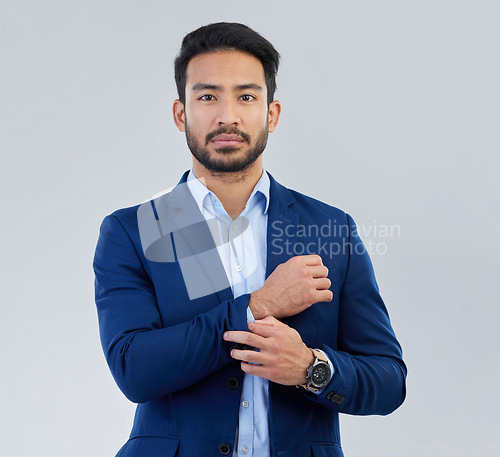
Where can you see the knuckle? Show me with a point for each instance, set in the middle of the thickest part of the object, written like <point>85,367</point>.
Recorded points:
<point>302,273</point>
<point>306,282</point>
<point>310,294</point>
<point>273,371</point>
<point>275,347</point>
<point>296,261</point>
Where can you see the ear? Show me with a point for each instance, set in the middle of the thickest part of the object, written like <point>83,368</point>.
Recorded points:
<point>179,115</point>
<point>274,115</point>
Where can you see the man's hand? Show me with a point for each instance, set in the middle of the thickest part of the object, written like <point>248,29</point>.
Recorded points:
<point>283,357</point>
<point>292,287</point>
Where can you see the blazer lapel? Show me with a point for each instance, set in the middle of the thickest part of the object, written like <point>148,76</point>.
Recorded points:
<point>195,249</point>
<point>281,226</point>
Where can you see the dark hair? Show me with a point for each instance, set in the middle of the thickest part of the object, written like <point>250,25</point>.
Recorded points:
<point>225,36</point>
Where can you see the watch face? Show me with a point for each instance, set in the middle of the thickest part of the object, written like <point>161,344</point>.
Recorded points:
<point>320,374</point>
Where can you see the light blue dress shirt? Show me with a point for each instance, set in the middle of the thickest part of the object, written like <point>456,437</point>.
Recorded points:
<point>242,246</point>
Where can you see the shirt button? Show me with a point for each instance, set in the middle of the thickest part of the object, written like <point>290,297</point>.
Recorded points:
<point>234,227</point>
<point>244,450</point>
<point>245,404</point>
<point>238,268</point>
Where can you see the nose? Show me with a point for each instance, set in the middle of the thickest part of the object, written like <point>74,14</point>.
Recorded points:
<point>228,113</point>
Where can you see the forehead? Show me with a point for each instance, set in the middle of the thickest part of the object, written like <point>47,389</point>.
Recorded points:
<point>224,68</point>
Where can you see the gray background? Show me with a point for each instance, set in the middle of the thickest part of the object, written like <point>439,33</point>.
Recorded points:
<point>390,112</point>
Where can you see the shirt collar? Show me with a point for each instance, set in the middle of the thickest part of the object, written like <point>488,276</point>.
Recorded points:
<point>200,192</point>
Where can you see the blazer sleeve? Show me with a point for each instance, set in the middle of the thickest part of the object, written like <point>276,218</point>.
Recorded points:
<point>148,360</point>
<point>370,374</point>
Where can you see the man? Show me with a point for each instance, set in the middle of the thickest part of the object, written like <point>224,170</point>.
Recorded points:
<point>229,341</point>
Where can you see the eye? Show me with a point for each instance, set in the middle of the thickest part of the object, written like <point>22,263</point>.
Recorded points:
<point>247,97</point>
<point>207,98</point>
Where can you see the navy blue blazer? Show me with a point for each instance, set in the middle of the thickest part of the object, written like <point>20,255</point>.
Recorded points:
<point>167,354</point>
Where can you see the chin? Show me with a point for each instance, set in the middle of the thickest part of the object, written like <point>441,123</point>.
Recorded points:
<point>227,150</point>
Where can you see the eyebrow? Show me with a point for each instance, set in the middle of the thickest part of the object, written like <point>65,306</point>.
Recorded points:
<point>205,86</point>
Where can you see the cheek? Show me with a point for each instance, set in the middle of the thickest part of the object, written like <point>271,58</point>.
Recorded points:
<point>258,122</point>
<point>197,124</point>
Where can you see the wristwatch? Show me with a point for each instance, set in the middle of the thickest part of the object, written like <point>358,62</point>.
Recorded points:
<point>318,373</point>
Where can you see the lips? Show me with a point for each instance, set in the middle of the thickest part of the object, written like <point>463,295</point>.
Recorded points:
<point>227,139</point>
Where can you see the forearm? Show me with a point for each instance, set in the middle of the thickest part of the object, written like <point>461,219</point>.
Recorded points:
<point>149,357</point>
<point>369,373</point>
<point>364,385</point>
<point>149,363</point>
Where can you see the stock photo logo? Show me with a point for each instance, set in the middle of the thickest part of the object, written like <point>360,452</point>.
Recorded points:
<point>173,229</point>
<point>331,239</point>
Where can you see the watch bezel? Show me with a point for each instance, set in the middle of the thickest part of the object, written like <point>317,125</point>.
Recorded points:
<point>319,360</point>
<point>314,367</point>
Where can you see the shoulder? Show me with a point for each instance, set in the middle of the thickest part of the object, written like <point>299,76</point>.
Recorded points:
<point>127,217</point>
<point>316,206</point>
<point>306,205</point>
<point>127,214</point>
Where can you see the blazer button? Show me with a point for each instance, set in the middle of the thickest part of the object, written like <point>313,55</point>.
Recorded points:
<point>225,449</point>
<point>233,383</point>
<point>335,398</point>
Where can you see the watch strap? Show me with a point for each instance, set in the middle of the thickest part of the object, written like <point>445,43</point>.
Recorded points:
<point>319,355</point>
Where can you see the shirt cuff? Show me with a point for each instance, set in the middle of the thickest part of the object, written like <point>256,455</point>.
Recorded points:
<point>250,317</point>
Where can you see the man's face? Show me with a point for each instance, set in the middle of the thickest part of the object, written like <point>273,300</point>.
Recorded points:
<point>226,116</point>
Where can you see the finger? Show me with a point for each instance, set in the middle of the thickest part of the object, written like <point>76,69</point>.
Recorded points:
<point>322,283</point>
<point>256,370</point>
<point>262,330</point>
<point>318,271</point>
<point>247,356</point>
<point>324,296</point>
<point>262,322</point>
<point>312,259</point>
<point>247,338</point>
<point>270,320</point>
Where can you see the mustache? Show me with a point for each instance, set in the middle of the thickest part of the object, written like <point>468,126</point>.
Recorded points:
<point>222,130</point>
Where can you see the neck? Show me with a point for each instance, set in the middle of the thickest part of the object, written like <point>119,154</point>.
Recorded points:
<point>232,189</point>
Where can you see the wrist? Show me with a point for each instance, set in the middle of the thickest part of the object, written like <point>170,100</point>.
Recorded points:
<point>257,305</point>
<point>309,359</point>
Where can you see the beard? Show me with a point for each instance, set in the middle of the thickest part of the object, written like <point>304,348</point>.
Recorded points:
<point>227,159</point>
